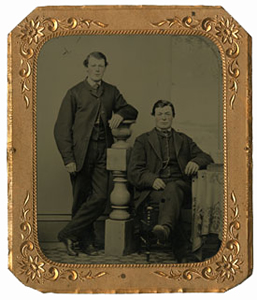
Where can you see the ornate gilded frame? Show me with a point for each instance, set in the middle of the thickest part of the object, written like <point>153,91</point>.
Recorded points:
<point>233,263</point>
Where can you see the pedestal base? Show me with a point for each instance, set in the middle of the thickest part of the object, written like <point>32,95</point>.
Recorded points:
<point>119,237</point>
<point>119,213</point>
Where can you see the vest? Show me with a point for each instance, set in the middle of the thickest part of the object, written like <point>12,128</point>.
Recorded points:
<point>170,167</point>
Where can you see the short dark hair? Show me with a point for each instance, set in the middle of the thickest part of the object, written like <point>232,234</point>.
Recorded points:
<point>162,103</point>
<point>95,54</point>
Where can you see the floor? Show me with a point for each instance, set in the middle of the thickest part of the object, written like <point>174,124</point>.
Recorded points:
<point>160,254</point>
<point>57,253</point>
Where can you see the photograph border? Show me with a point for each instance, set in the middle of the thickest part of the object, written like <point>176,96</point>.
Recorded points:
<point>233,262</point>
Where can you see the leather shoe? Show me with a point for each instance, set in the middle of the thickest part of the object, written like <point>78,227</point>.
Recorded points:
<point>162,233</point>
<point>90,250</point>
<point>69,247</point>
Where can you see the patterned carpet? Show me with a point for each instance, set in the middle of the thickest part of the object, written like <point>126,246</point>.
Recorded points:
<point>57,253</point>
<point>159,254</point>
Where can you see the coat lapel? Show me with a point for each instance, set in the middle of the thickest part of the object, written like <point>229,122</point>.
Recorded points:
<point>100,90</point>
<point>178,141</point>
<point>102,106</point>
<point>154,142</point>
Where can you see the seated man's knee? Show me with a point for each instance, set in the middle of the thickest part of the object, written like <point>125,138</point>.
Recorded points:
<point>173,188</point>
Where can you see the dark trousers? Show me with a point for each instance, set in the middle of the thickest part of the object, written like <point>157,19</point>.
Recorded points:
<point>170,201</point>
<point>89,194</point>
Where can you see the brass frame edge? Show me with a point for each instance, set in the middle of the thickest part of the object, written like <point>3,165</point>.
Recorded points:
<point>9,154</point>
<point>249,149</point>
<point>204,270</point>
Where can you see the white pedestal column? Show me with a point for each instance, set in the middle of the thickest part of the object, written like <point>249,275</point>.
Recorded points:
<point>119,228</point>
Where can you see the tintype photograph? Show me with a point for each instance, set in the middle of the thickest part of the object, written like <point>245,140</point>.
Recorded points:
<point>127,128</point>
<point>129,149</point>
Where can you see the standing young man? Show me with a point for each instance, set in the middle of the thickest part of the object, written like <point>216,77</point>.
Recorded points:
<point>83,133</point>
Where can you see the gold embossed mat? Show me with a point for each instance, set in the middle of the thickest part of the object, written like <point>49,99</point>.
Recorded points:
<point>198,56</point>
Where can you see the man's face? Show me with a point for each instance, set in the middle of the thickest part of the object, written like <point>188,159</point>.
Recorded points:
<point>163,117</point>
<point>96,68</point>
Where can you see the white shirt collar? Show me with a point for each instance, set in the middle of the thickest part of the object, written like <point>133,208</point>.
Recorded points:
<point>168,129</point>
<point>92,83</point>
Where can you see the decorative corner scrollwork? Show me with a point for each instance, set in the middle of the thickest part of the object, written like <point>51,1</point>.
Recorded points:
<point>90,276</point>
<point>224,269</point>
<point>72,24</point>
<point>30,265</point>
<point>189,274</point>
<point>229,34</point>
<point>54,274</point>
<point>226,31</point>
<point>207,24</point>
<point>230,263</point>
<point>25,226</point>
<point>33,267</point>
<point>228,267</point>
<point>186,22</point>
<point>171,275</point>
<point>33,31</point>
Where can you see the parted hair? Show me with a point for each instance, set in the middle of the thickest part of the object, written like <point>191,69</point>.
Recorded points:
<point>95,54</point>
<point>162,103</point>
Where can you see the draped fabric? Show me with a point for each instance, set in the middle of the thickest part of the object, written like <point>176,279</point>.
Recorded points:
<point>207,204</point>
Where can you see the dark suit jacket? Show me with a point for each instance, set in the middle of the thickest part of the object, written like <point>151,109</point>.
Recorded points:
<point>78,114</point>
<point>146,160</point>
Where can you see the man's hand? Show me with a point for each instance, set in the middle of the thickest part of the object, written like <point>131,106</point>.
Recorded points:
<point>115,121</point>
<point>159,184</point>
<point>191,168</point>
<point>71,168</point>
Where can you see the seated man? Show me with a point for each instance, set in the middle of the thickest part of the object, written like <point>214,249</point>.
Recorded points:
<point>160,168</point>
